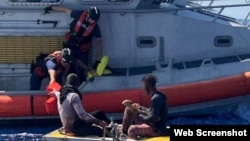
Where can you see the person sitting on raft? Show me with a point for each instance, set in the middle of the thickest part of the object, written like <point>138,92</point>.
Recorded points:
<point>139,121</point>
<point>75,120</point>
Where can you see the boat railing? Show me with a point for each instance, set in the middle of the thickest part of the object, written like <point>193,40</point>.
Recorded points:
<point>162,9</point>
<point>243,58</point>
<point>206,62</point>
<point>34,3</point>
<point>221,8</point>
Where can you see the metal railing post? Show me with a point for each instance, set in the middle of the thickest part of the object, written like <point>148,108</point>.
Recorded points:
<point>248,25</point>
<point>216,17</point>
<point>245,18</point>
<point>211,2</point>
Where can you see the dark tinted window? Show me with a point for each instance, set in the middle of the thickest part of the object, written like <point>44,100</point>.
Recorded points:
<point>178,66</point>
<point>146,41</point>
<point>223,41</point>
<point>223,60</point>
<point>193,64</point>
<point>244,56</point>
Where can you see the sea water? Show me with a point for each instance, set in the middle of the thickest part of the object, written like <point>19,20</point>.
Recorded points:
<point>239,116</point>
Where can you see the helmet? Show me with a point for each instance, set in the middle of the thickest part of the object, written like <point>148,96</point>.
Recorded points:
<point>67,55</point>
<point>94,13</point>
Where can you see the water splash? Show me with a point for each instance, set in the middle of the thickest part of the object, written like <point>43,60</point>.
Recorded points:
<point>243,111</point>
<point>21,137</point>
<point>25,133</point>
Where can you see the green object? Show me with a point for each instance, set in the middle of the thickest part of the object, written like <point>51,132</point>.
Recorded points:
<point>102,65</point>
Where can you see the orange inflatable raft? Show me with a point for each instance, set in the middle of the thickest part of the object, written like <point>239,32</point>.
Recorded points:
<point>20,104</point>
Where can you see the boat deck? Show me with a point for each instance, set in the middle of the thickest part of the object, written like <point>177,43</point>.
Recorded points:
<point>57,136</point>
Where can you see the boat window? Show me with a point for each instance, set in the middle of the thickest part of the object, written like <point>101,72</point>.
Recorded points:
<point>146,41</point>
<point>178,66</point>
<point>223,41</point>
<point>141,70</point>
<point>193,64</point>
<point>244,56</point>
<point>223,60</point>
<point>35,2</point>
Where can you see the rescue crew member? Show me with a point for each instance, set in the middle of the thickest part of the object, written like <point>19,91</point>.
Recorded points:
<point>52,66</point>
<point>147,122</point>
<point>79,39</point>
<point>74,118</point>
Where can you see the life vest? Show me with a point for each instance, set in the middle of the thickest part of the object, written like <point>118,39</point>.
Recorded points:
<point>79,23</point>
<point>77,27</point>
<point>41,69</point>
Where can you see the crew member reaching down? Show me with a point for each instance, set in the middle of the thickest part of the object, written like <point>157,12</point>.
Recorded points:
<point>139,121</point>
<point>53,66</point>
<point>74,118</point>
<point>79,39</point>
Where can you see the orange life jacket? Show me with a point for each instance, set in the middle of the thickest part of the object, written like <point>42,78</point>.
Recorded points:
<point>79,23</point>
<point>87,31</point>
<point>78,26</point>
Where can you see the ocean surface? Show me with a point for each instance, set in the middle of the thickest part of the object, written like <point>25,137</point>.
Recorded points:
<point>239,116</point>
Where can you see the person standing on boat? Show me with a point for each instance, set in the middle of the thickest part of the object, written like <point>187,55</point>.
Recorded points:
<point>75,120</point>
<point>53,66</point>
<point>82,29</point>
<point>147,122</point>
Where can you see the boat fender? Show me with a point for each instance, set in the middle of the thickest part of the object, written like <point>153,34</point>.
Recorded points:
<point>51,102</point>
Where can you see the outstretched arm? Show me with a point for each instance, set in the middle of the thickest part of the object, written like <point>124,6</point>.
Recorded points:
<point>52,71</point>
<point>52,76</point>
<point>61,9</point>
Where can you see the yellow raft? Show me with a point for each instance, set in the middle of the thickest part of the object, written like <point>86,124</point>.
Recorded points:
<point>56,136</point>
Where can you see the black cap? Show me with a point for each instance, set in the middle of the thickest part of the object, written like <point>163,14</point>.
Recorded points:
<point>94,13</point>
<point>67,55</point>
<point>73,79</point>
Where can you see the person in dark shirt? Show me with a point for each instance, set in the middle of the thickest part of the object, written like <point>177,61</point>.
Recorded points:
<point>82,29</point>
<point>139,121</point>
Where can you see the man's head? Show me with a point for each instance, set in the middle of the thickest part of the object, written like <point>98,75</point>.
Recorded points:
<point>93,14</point>
<point>73,80</point>
<point>149,84</point>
